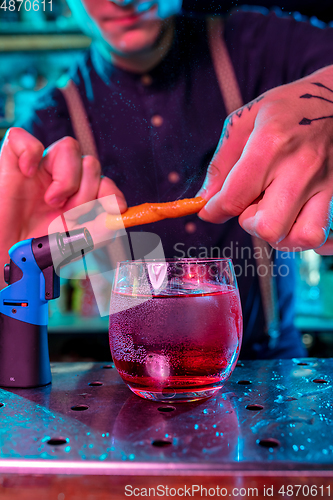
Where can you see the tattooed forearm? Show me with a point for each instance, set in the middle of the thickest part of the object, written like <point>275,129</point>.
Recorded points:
<point>308,121</point>
<point>230,120</point>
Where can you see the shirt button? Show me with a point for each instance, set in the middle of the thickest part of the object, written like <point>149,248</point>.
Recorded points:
<point>174,177</point>
<point>156,120</point>
<point>146,80</point>
<point>190,227</point>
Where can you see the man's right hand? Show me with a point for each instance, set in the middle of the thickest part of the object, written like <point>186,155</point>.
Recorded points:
<point>38,185</point>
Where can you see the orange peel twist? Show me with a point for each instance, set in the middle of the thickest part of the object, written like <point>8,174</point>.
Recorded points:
<point>153,212</point>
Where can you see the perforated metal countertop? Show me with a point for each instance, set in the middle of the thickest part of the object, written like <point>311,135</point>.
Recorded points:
<point>271,415</point>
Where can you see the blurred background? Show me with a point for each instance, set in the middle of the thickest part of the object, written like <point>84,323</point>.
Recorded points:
<point>36,48</point>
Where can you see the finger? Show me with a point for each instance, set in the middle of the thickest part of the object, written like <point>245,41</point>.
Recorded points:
<point>89,184</point>
<point>83,202</point>
<point>311,228</point>
<point>21,149</point>
<point>108,187</point>
<point>274,216</point>
<point>63,162</point>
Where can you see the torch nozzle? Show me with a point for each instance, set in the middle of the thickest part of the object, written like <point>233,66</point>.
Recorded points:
<point>73,243</point>
<point>68,246</point>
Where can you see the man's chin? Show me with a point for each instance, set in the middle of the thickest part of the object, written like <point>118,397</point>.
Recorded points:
<point>136,40</point>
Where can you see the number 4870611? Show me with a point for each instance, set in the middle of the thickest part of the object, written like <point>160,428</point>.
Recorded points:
<point>27,5</point>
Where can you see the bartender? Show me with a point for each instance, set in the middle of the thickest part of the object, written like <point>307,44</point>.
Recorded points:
<point>153,102</point>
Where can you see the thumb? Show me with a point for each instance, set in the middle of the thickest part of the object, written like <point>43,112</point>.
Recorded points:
<point>237,129</point>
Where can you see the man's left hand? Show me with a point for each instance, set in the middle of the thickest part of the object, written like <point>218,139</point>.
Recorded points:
<point>273,167</point>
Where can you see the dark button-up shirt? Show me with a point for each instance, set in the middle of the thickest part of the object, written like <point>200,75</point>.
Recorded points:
<point>156,134</point>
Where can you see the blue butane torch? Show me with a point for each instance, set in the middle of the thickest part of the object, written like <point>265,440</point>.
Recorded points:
<point>33,279</point>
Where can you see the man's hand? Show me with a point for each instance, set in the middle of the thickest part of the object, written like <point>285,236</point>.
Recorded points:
<point>38,185</point>
<point>273,167</point>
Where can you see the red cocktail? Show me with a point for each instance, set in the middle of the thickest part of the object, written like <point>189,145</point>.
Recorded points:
<point>175,327</point>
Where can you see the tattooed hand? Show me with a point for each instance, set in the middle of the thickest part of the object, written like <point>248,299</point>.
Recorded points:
<point>274,165</point>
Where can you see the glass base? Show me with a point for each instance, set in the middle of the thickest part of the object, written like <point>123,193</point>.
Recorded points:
<point>176,396</point>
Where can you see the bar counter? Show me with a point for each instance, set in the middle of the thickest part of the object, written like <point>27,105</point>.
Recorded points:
<point>87,436</point>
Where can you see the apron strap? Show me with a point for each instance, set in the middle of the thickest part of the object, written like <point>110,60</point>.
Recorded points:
<point>79,119</point>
